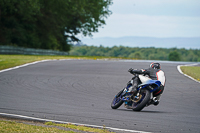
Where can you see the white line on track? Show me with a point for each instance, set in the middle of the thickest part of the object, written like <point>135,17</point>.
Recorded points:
<point>63,122</point>
<point>179,69</point>
<point>27,64</point>
<point>48,120</point>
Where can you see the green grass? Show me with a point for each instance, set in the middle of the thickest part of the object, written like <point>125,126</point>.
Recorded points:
<point>14,127</point>
<point>81,128</point>
<point>193,71</point>
<point>7,126</point>
<point>8,61</point>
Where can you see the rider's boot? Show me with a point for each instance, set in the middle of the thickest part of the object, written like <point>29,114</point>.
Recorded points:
<point>155,101</point>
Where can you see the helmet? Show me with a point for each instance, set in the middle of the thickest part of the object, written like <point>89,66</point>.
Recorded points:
<point>155,65</point>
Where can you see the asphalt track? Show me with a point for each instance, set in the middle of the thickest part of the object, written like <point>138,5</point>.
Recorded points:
<point>81,91</point>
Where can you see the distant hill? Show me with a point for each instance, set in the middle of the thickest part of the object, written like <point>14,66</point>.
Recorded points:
<point>131,41</point>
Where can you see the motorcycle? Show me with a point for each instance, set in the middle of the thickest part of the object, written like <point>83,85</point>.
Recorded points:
<point>142,98</point>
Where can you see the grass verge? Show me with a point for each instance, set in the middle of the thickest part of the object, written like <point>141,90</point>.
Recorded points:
<point>14,127</point>
<point>80,128</point>
<point>8,126</point>
<point>193,71</point>
<point>8,61</point>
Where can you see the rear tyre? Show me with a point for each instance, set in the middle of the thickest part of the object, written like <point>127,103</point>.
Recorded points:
<point>117,101</point>
<point>140,103</point>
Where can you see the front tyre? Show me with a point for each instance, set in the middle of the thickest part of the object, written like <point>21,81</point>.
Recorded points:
<point>140,103</point>
<point>117,101</point>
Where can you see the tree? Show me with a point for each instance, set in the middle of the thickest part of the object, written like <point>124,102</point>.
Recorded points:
<point>174,56</point>
<point>50,24</point>
<point>17,21</point>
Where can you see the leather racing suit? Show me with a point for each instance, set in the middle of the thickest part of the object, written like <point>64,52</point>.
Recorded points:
<point>153,73</point>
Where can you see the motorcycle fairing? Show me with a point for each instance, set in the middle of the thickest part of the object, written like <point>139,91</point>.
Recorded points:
<point>153,83</point>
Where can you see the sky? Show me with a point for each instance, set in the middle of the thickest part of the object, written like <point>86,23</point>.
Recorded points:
<point>152,18</point>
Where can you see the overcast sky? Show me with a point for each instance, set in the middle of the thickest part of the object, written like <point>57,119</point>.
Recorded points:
<point>152,18</point>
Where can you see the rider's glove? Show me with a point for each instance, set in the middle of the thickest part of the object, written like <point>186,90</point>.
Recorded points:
<point>130,70</point>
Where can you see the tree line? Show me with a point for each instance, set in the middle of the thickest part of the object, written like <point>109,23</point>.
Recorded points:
<point>149,53</point>
<point>50,24</point>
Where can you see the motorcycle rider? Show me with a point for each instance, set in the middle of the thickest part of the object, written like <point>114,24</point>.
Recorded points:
<point>154,72</point>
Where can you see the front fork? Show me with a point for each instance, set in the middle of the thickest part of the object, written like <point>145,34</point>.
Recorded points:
<point>126,89</point>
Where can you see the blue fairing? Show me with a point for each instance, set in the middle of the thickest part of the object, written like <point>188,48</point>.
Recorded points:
<point>151,82</point>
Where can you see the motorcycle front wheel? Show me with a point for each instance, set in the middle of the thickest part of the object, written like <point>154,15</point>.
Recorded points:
<point>140,103</point>
<point>117,101</point>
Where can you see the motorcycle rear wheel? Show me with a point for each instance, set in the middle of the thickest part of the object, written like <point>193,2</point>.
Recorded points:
<point>142,101</point>
<point>117,101</point>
